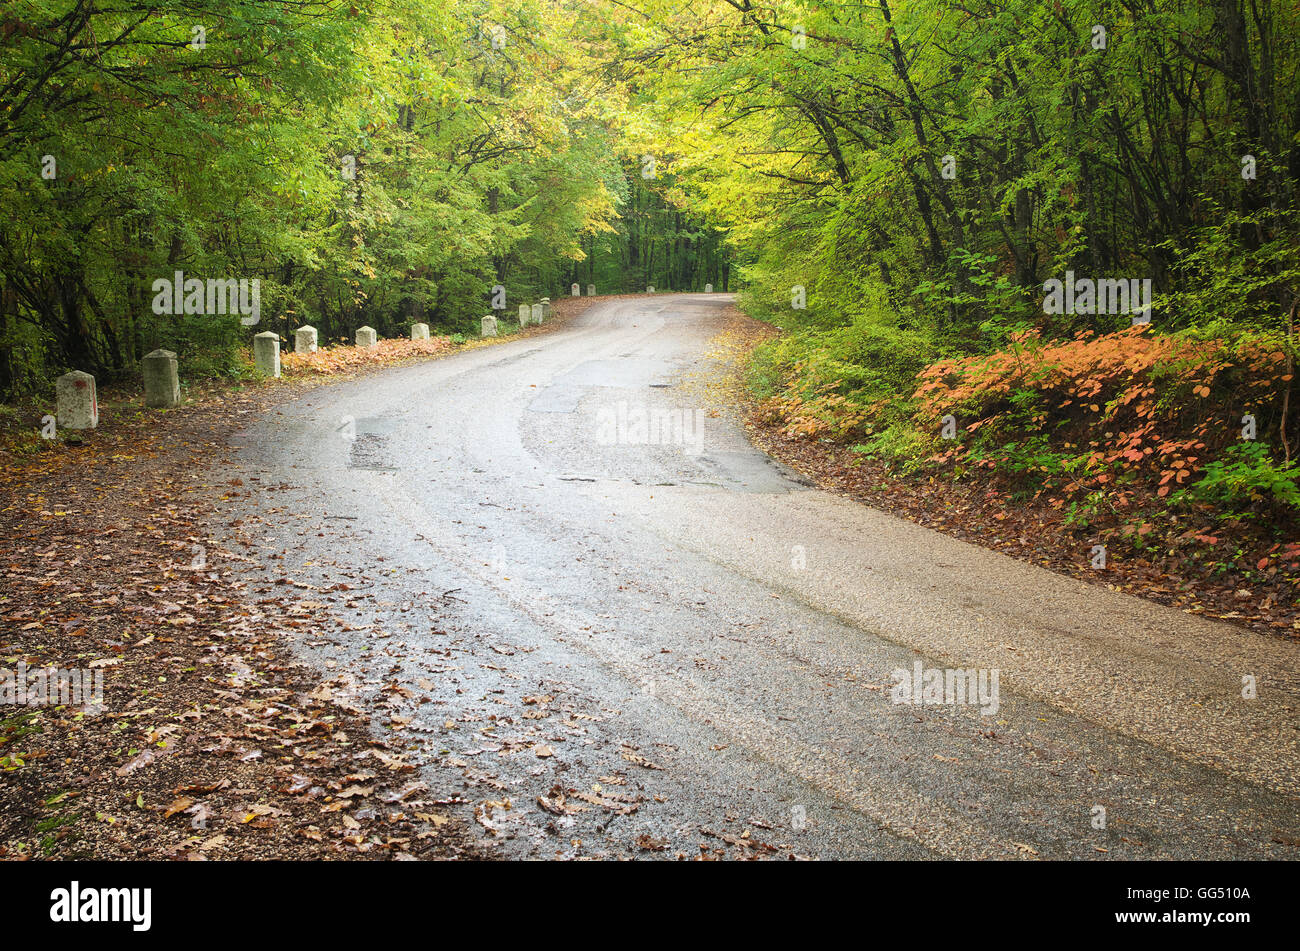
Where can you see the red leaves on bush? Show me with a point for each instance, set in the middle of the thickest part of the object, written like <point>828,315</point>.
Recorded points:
<point>1131,396</point>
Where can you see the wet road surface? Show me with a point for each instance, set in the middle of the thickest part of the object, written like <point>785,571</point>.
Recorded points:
<point>591,610</point>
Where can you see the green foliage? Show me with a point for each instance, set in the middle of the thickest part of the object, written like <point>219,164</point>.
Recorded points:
<point>1246,476</point>
<point>367,163</point>
<point>912,170</point>
<point>15,732</point>
<point>899,444</point>
<point>862,349</point>
<point>1231,282</point>
<point>933,164</point>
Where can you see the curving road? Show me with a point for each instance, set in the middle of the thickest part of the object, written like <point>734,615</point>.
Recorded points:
<point>581,591</point>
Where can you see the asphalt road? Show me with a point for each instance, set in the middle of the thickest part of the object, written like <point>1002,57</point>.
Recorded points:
<point>681,647</point>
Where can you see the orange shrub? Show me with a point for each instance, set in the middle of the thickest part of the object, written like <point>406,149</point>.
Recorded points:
<point>1136,399</point>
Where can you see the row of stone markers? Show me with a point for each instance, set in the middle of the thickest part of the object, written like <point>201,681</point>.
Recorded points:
<point>528,313</point>
<point>576,290</point>
<point>78,407</point>
<point>77,404</point>
<point>266,345</point>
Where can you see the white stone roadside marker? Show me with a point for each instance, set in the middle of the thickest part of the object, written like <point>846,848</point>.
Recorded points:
<point>523,316</point>
<point>591,290</point>
<point>708,288</point>
<point>162,386</point>
<point>419,331</point>
<point>575,290</point>
<point>74,394</point>
<point>366,337</point>
<point>266,353</point>
<point>304,339</point>
<point>546,308</point>
<point>489,326</point>
<point>650,289</point>
<point>539,314</point>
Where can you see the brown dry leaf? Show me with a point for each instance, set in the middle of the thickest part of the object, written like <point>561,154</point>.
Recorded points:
<point>179,805</point>
<point>141,759</point>
<point>260,810</point>
<point>392,762</point>
<point>612,803</point>
<point>633,757</point>
<point>744,842</point>
<point>554,804</point>
<point>406,792</point>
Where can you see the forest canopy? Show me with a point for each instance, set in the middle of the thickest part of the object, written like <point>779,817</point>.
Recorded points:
<point>1055,240</point>
<point>366,163</point>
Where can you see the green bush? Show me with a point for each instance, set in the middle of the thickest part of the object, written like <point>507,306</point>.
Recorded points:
<point>1244,475</point>
<point>869,357</point>
<point>900,445</point>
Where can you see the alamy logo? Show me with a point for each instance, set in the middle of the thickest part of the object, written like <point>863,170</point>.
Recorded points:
<point>52,686</point>
<point>74,904</point>
<point>183,295</point>
<point>638,425</point>
<point>1106,296</point>
<point>936,686</point>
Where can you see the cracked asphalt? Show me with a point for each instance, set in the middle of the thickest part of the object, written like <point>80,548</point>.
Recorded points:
<point>606,626</point>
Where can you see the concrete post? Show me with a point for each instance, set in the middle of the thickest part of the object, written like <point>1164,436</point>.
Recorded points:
<point>546,308</point>
<point>575,290</point>
<point>366,337</point>
<point>74,395</point>
<point>162,387</point>
<point>591,290</point>
<point>489,326</point>
<point>708,288</point>
<point>538,314</point>
<point>419,331</point>
<point>266,353</point>
<point>650,289</point>
<point>524,311</point>
<point>304,339</point>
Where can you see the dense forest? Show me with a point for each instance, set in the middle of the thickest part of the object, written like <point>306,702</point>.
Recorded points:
<point>1052,242</point>
<point>1056,240</point>
<point>366,163</point>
